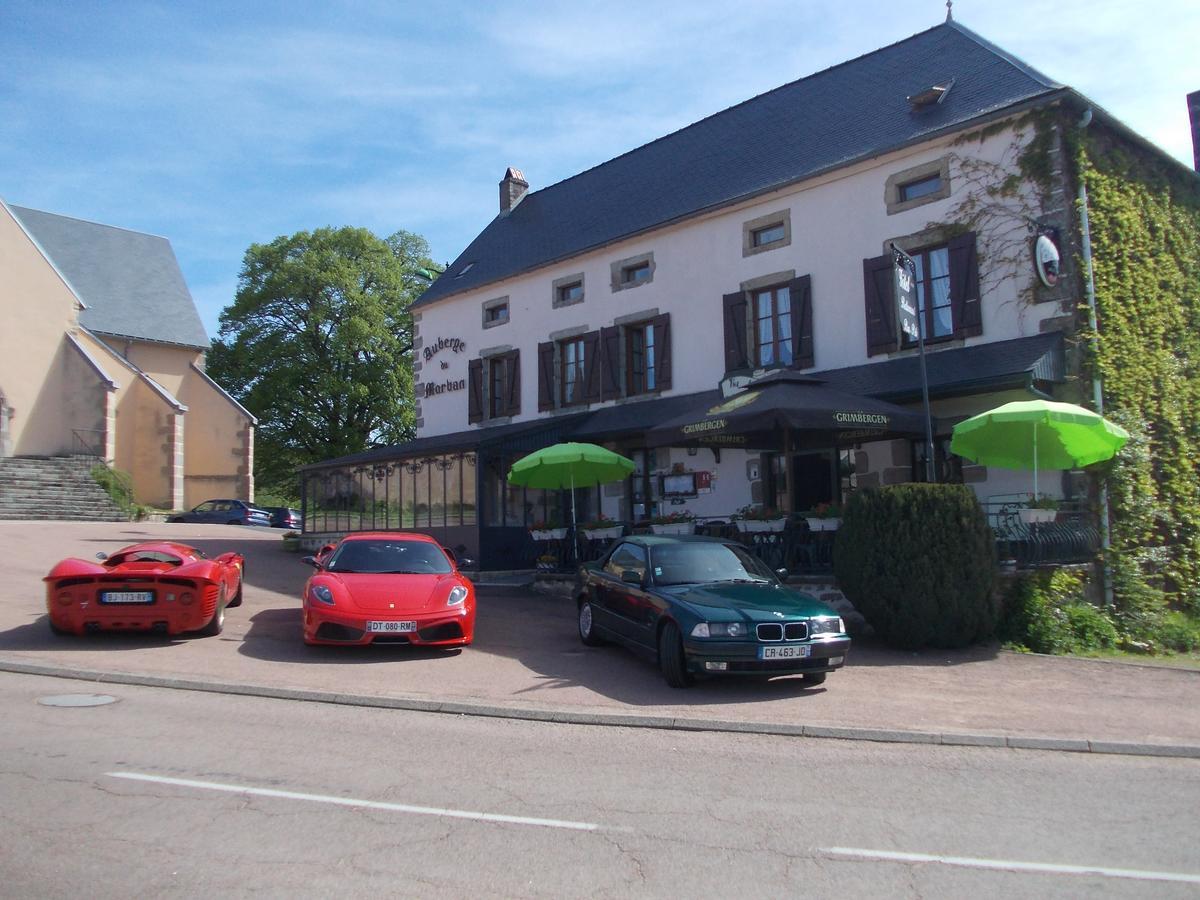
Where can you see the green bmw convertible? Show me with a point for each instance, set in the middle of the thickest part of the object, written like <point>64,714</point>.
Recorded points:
<point>705,606</point>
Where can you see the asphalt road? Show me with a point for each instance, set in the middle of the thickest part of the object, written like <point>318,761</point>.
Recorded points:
<point>528,660</point>
<point>181,794</point>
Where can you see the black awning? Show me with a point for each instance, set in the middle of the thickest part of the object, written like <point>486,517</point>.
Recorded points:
<point>757,417</point>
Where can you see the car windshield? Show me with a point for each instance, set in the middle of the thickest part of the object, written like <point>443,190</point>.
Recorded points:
<point>380,557</point>
<point>701,563</point>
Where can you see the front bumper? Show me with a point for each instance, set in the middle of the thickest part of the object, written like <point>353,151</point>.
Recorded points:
<point>452,628</point>
<point>741,657</point>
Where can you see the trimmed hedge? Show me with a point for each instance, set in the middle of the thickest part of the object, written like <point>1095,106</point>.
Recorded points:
<point>919,562</point>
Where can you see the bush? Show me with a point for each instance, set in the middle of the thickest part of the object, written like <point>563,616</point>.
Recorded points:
<point>1180,632</point>
<point>919,562</point>
<point>1046,612</point>
<point>119,486</point>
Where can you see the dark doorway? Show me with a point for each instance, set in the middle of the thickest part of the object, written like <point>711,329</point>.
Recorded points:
<point>813,479</point>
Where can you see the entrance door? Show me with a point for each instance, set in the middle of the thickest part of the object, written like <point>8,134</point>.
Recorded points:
<point>813,479</point>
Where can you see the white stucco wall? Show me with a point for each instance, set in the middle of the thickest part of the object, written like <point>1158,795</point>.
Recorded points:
<point>836,221</point>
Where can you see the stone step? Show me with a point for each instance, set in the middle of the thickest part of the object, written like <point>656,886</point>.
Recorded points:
<point>54,488</point>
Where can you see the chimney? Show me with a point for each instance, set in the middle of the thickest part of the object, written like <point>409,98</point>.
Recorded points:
<point>512,189</point>
<point>1194,115</point>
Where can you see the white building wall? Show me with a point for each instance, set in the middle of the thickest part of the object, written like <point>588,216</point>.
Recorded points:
<point>837,221</point>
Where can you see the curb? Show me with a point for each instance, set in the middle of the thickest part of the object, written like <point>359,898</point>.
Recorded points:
<point>624,720</point>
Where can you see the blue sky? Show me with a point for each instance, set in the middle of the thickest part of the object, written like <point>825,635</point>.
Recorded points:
<point>219,124</point>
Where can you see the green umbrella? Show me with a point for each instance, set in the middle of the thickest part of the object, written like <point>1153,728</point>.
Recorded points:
<point>1038,434</point>
<point>566,465</point>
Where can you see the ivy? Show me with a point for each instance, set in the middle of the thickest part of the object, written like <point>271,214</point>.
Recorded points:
<point>1145,230</point>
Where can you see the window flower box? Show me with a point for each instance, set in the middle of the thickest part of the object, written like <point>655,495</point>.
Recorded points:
<point>819,524</point>
<point>548,534</point>
<point>1037,516</point>
<point>672,528</point>
<point>608,533</point>
<point>755,526</point>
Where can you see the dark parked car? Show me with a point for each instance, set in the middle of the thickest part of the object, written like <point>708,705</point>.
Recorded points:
<point>285,517</point>
<point>225,512</point>
<point>700,605</point>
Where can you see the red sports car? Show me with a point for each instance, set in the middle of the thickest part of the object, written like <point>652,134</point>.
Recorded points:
<point>392,587</point>
<point>157,586</point>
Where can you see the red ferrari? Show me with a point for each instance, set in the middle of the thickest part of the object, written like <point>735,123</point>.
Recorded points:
<point>388,587</point>
<point>157,586</point>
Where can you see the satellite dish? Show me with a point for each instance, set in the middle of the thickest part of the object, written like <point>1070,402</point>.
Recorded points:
<point>1046,259</point>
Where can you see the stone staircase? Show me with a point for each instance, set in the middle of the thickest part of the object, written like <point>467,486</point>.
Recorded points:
<point>55,487</point>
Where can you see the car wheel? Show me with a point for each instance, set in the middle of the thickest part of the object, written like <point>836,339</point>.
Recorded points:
<point>217,622</point>
<point>237,598</point>
<point>670,657</point>
<point>812,679</point>
<point>234,522</point>
<point>587,625</point>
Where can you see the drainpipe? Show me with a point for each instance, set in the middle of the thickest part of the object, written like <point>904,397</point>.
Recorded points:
<point>1097,386</point>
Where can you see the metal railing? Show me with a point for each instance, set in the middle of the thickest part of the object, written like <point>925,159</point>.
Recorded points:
<point>1071,535</point>
<point>87,442</point>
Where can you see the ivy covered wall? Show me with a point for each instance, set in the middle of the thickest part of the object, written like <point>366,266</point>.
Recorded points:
<point>1145,234</point>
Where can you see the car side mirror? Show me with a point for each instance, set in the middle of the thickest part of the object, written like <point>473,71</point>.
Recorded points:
<point>781,574</point>
<point>311,560</point>
<point>632,576</point>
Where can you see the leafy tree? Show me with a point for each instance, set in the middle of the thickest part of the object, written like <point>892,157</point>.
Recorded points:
<point>317,344</point>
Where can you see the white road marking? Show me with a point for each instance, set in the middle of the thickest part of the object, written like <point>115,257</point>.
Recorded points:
<point>363,804</point>
<point>1012,865</point>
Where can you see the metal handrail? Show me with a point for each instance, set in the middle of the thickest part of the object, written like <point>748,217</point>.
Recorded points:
<point>82,446</point>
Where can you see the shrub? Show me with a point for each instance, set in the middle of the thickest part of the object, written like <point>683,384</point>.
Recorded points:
<point>1046,612</point>
<point>119,486</point>
<point>1180,632</point>
<point>919,562</point>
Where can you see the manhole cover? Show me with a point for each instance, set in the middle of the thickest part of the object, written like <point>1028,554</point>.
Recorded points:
<point>77,700</point>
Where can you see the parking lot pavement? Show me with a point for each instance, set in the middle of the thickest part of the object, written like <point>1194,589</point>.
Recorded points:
<point>527,661</point>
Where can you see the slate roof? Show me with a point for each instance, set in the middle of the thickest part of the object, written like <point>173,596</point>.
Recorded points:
<point>849,112</point>
<point>130,282</point>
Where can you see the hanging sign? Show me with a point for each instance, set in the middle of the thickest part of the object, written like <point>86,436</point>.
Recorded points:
<point>908,317</point>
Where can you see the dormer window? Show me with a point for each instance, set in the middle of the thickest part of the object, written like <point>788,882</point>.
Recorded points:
<point>931,96</point>
<point>495,312</point>
<point>772,234</point>
<point>922,187</point>
<point>632,272</point>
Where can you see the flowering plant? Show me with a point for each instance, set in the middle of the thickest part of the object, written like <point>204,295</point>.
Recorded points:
<point>757,513</point>
<point>671,518</point>
<point>824,511</point>
<point>552,522</point>
<point>1042,501</point>
<point>601,521</point>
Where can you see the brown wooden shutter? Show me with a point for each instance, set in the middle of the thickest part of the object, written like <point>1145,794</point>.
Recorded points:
<point>802,322</point>
<point>512,382</point>
<point>545,355</point>
<point>591,367</point>
<point>475,390</point>
<point>610,363</point>
<point>662,351</point>
<point>881,304</point>
<point>736,352</point>
<point>964,286</point>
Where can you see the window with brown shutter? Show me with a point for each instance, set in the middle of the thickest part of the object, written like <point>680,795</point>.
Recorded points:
<point>545,355</point>
<point>880,305</point>
<point>736,350</point>
<point>591,367</point>
<point>802,322</point>
<point>610,363</point>
<point>512,376</point>
<point>475,391</point>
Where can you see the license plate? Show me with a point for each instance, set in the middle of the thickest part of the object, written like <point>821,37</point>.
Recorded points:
<point>127,596</point>
<point>795,651</point>
<point>391,627</point>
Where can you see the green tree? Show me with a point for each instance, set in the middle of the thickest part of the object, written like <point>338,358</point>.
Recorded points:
<point>318,342</point>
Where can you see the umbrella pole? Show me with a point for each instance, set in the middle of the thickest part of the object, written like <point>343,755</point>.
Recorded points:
<point>1035,484</point>
<point>574,535</point>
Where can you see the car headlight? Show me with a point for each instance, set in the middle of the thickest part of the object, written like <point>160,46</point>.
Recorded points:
<point>457,596</point>
<point>322,593</point>
<point>719,629</point>
<point>831,625</point>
